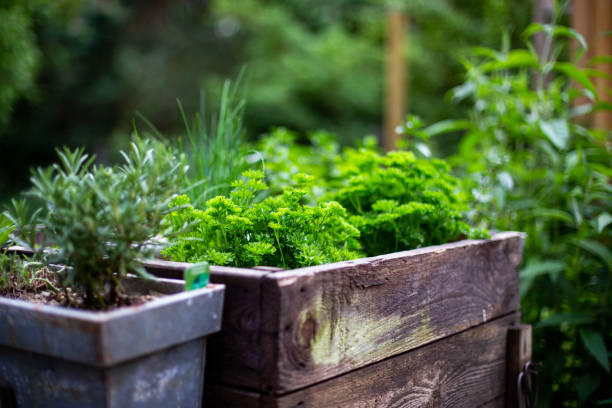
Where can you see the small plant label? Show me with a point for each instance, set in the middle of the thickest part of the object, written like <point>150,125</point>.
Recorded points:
<point>197,276</point>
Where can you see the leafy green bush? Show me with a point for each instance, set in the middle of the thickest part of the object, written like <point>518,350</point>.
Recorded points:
<point>19,54</point>
<point>103,220</point>
<point>532,166</point>
<point>397,201</point>
<point>400,202</point>
<point>283,158</point>
<point>280,230</point>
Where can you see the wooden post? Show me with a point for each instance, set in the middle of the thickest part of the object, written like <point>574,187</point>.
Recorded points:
<point>602,45</point>
<point>592,19</point>
<point>583,14</point>
<point>395,79</point>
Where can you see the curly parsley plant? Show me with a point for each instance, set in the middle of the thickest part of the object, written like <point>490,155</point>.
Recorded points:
<point>400,202</point>
<point>277,231</point>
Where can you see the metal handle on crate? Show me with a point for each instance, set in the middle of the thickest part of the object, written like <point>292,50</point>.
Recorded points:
<point>527,386</point>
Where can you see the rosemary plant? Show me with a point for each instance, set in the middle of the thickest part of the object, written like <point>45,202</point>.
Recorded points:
<point>103,220</point>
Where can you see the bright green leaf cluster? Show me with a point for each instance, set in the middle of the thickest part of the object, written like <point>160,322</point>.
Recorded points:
<point>399,202</point>
<point>283,158</point>
<point>280,230</point>
<point>6,227</point>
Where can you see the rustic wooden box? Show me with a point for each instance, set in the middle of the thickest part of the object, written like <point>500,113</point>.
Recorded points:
<point>364,323</point>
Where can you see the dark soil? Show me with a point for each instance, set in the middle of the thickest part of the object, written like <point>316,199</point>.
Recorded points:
<point>44,289</point>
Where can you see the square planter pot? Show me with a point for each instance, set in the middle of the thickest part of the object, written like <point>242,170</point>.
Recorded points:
<point>337,335</point>
<point>148,355</point>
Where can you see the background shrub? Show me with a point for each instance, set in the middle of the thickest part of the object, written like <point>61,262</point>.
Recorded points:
<point>531,166</point>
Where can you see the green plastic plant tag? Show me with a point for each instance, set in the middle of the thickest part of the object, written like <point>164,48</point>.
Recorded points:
<point>197,276</point>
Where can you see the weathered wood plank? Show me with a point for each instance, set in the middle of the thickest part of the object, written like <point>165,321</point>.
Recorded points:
<point>271,312</point>
<point>233,354</point>
<point>463,370</point>
<point>338,317</point>
<point>467,369</point>
<point>499,402</point>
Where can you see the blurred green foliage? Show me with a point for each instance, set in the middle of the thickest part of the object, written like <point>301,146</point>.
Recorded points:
<point>86,67</point>
<point>19,53</point>
<point>283,157</point>
<point>532,165</point>
<point>319,64</point>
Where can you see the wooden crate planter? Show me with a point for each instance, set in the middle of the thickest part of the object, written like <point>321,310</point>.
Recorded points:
<point>363,323</point>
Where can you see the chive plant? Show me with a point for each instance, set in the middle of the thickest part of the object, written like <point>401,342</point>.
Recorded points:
<point>217,154</point>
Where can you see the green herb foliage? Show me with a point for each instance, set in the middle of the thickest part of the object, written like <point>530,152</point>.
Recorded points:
<point>283,158</point>
<point>103,220</point>
<point>532,166</point>
<point>217,149</point>
<point>6,227</point>
<point>19,274</point>
<point>279,231</point>
<point>400,202</point>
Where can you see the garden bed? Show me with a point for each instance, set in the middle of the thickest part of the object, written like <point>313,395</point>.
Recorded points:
<point>435,317</point>
<point>284,331</point>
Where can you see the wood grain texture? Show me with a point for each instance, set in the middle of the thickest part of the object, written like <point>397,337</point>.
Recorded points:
<point>467,369</point>
<point>499,402</point>
<point>233,354</point>
<point>331,319</point>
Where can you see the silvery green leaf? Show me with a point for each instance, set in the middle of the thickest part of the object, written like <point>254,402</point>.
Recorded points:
<point>557,131</point>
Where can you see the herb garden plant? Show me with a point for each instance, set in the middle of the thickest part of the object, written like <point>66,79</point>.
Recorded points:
<point>309,324</point>
<point>375,204</point>
<point>532,164</point>
<point>328,315</point>
<point>98,224</point>
<point>101,221</point>
<point>400,202</point>
<point>279,230</point>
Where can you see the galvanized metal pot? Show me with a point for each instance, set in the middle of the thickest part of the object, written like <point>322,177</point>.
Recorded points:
<point>149,355</point>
